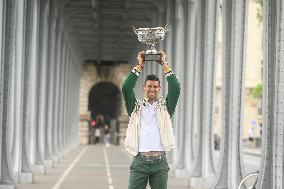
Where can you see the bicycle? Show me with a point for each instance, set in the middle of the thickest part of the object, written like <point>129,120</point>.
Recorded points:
<point>249,176</point>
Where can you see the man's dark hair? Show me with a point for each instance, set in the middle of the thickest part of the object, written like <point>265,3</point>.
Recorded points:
<point>151,77</point>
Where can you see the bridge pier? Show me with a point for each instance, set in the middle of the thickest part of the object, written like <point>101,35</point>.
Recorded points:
<point>29,89</point>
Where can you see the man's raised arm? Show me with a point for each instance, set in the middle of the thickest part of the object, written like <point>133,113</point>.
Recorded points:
<point>173,86</point>
<point>129,84</point>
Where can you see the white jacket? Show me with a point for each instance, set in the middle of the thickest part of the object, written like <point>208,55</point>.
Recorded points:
<point>165,126</point>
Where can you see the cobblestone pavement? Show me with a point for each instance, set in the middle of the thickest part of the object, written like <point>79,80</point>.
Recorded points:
<point>91,167</point>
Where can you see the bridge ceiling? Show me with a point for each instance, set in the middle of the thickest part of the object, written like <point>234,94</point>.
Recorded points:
<point>102,28</point>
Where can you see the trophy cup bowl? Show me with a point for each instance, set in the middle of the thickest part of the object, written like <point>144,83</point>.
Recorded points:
<point>151,36</point>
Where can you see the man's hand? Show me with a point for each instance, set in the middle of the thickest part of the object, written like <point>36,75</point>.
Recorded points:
<point>163,56</point>
<point>140,64</point>
<point>140,58</point>
<point>164,63</point>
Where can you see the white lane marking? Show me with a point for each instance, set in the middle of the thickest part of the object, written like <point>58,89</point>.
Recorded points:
<point>108,170</point>
<point>59,182</point>
<point>109,180</point>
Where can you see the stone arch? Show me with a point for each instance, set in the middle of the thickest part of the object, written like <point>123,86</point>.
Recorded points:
<point>104,98</point>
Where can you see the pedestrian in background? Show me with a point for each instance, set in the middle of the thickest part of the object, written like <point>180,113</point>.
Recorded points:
<point>106,135</point>
<point>99,125</point>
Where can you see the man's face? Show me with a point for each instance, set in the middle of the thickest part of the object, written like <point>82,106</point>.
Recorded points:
<point>152,89</point>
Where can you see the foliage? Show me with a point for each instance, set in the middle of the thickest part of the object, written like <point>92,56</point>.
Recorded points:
<point>259,11</point>
<point>257,91</point>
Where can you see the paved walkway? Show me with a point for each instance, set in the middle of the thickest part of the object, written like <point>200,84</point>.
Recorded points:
<point>252,151</point>
<point>91,167</point>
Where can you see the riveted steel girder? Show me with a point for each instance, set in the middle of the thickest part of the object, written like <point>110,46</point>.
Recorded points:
<point>6,175</point>
<point>271,174</point>
<point>234,27</point>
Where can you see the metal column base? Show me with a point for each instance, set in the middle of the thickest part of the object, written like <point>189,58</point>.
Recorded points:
<point>48,164</point>
<point>39,169</point>
<point>7,186</point>
<point>25,178</point>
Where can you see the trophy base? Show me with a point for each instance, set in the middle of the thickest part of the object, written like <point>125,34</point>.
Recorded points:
<point>153,57</point>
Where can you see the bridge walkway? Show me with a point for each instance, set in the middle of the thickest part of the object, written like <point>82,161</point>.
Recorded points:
<point>92,167</point>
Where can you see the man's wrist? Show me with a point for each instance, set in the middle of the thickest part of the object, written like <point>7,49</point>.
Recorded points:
<point>167,70</point>
<point>137,69</point>
<point>163,62</point>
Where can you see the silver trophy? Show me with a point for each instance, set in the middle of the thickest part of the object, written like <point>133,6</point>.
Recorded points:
<point>151,36</point>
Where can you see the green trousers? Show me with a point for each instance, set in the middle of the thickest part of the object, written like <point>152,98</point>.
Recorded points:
<point>152,169</point>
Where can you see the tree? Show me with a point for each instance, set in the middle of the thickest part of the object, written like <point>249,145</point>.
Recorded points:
<point>257,91</point>
<point>259,11</point>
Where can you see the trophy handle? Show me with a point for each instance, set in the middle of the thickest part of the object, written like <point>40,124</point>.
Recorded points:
<point>166,28</point>
<point>134,29</point>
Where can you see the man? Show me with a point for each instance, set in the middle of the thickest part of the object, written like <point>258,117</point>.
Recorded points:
<point>150,134</point>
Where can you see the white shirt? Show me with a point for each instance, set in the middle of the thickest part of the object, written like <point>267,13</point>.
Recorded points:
<point>149,138</point>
